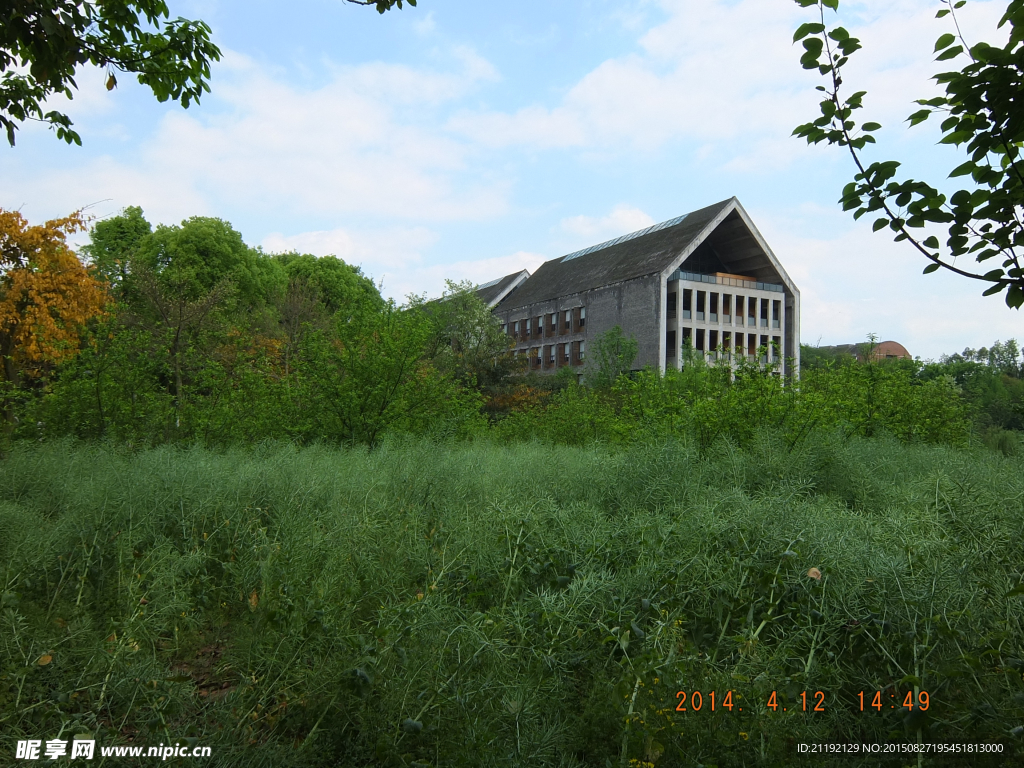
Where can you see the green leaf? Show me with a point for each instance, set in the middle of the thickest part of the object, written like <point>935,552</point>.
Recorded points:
<point>945,41</point>
<point>994,289</point>
<point>809,28</point>
<point>870,126</point>
<point>879,224</point>
<point>919,117</point>
<point>950,54</point>
<point>833,4</point>
<point>931,268</point>
<point>931,242</point>
<point>963,170</point>
<point>943,12</point>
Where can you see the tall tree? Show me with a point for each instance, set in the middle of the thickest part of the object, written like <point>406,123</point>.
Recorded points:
<point>984,117</point>
<point>46,296</point>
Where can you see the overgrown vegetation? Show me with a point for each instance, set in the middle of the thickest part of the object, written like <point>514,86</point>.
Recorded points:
<point>254,505</point>
<point>426,604</point>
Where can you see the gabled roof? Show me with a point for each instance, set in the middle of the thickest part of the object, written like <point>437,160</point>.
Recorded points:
<point>634,255</point>
<point>493,292</point>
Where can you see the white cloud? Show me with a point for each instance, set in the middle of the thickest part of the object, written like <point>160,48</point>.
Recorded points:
<point>426,25</point>
<point>430,279</point>
<point>622,220</point>
<point>366,143</point>
<point>729,73</point>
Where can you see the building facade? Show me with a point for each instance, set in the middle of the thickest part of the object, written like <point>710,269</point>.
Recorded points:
<point>707,279</point>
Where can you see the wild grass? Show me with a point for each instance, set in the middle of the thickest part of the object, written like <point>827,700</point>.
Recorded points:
<point>470,604</point>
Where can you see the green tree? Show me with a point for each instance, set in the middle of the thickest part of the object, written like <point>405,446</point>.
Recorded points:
<point>984,117</point>
<point>466,341</point>
<point>114,242</point>
<point>191,259</point>
<point>340,287</point>
<point>611,355</point>
<point>375,375</point>
<point>53,39</point>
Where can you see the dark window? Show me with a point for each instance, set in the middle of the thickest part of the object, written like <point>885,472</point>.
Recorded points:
<point>670,343</point>
<point>672,305</point>
<point>583,316</point>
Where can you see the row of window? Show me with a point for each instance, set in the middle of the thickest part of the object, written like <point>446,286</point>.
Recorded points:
<point>706,306</point>
<point>723,342</point>
<point>555,355</point>
<point>560,323</point>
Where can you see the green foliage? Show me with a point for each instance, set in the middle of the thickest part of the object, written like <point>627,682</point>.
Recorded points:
<point>989,381</point>
<point>983,117</point>
<point>375,375</point>
<point>466,341</point>
<point>426,603</point>
<point>710,401</point>
<point>338,286</point>
<point>817,357</point>
<point>192,260</point>
<point>114,242</point>
<point>54,38</point>
<point>611,355</point>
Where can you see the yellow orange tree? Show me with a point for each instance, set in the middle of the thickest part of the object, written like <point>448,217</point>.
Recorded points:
<point>46,296</point>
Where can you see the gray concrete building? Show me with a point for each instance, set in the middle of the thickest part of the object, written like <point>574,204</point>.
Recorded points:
<point>707,279</point>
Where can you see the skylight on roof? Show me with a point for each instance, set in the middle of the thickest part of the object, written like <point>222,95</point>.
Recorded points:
<point>488,285</point>
<point>624,238</point>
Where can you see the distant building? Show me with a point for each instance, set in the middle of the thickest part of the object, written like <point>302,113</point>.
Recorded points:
<point>706,278</point>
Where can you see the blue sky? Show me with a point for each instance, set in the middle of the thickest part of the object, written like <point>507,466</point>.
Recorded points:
<point>467,140</point>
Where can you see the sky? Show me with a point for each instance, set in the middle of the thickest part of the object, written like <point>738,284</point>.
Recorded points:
<point>468,140</point>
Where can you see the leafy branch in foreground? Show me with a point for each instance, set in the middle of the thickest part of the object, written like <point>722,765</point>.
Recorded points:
<point>984,118</point>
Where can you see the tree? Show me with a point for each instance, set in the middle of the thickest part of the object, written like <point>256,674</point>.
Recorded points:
<point>193,258</point>
<point>46,296</point>
<point>466,340</point>
<point>374,375</point>
<point>113,243</point>
<point>340,287</point>
<point>54,38</point>
<point>612,355</point>
<point>985,118</point>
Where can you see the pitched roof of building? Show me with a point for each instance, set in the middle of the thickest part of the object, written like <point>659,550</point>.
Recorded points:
<point>634,255</point>
<point>493,292</point>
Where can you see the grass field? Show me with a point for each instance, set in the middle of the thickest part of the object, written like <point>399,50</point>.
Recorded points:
<point>470,604</point>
